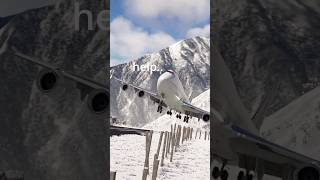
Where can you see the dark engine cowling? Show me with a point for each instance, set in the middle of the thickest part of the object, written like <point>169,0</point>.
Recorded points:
<point>141,93</point>
<point>307,173</point>
<point>206,117</point>
<point>47,80</point>
<point>51,83</point>
<point>98,101</point>
<point>124,87</point>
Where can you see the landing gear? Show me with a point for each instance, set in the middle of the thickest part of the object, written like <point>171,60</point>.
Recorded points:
<point>186,119</point>
<point>241,176</point>
<point>250,177</point>
<point>169,112</point>
<point>215,172</point>
<point>222,173</point>
<point>178,116</point>
<point>159,109</point>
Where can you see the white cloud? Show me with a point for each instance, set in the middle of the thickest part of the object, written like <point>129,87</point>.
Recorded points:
<point>183,10</point>
<point>199,31</point>
<point>128,41</point>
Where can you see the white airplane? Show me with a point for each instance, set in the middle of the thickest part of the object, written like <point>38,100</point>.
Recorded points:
<point>170,94</point>
<point>236,141</point>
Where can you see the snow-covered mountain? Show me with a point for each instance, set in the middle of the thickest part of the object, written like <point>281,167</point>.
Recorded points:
<point>189,58</point>
<point>297,125</point>
<point>43,137</point>
<point>271,48</point>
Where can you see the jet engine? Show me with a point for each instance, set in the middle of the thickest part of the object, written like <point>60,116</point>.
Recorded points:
<point>124,87</point>
<point>98,101</point>
<point>206,117</point>
<point>51,83</point>
<point>307,173</point>
<point>141,93</point>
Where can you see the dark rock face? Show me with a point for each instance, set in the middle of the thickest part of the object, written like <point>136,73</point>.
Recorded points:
<point>52,136</point>
<point>271,48</point>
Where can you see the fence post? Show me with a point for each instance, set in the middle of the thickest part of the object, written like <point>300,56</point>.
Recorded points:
<point>172,145</point>
<point>155,167</point>
<point>188,131</point>
<point>182,137</point>
<point>196,134</point>
<point>148,145</point>
<point>168,143</point>
<point>113,175</point>
<point>205,135</point>
<point>159,144</point>
<point>164,148</point>
<point>178,137</point>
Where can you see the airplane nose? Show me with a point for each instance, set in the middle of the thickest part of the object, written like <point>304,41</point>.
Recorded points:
<point>167,75</point>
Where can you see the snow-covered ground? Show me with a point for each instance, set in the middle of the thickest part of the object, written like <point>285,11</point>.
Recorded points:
<point>191,161</point>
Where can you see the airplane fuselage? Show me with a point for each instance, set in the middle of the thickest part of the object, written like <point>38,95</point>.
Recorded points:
<point>170,89</point>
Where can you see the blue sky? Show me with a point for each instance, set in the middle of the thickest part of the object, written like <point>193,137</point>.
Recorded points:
<point>139,27</point>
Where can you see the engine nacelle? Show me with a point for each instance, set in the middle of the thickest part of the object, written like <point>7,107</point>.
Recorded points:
<point>124,87</point>
<point>98,101</point>
<point>51,83</point>
<point>141,93</point>
<point>307,173</point>
<point>206,117</point>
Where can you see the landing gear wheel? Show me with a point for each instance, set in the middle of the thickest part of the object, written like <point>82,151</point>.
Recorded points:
<point>250,177</point>
<point>240,175</point>
<point>224,175</point>
<point>215,172</point>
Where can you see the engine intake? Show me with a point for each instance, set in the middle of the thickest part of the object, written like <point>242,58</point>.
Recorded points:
<point>124,87</point>
<point>98,101</point>
<point>47,80</point>
<point>308,173</point>
<point>141,93</point>
<point>206,117</point>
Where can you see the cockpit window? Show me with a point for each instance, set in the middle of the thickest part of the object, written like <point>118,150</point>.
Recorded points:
<point>170,71</point>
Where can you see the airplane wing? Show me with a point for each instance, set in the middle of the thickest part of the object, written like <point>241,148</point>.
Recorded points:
<point>153,96</point>
<point>273,155</point>
<point>193,110</point>
<point>82,81</point>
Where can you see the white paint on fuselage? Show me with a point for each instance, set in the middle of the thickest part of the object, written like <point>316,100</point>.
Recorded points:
<point>170,89</point>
